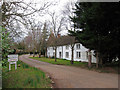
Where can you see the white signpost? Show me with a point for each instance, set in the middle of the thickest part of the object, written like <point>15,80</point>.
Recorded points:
<point>12,59</point>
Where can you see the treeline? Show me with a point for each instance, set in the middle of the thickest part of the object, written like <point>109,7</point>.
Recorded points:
<point>35,43</point>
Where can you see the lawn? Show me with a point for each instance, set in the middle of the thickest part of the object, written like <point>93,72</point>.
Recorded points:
<point>24,77</point>
<point>61,61</point>
<point>112,68</point>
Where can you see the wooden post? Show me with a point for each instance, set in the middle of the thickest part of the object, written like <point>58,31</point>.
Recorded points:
<point>9,66</point>
<point>15,65</point>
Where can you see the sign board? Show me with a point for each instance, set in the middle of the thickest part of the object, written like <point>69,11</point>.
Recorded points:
<point>12,59</point>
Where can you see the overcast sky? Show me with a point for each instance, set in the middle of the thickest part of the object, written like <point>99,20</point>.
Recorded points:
<point>57,8</point>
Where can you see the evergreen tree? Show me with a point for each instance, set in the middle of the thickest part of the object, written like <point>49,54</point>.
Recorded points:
<point>100,24</point>
<point>44,39</point>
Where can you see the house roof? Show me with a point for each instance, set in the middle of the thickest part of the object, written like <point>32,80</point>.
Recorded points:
<point>61,40</point>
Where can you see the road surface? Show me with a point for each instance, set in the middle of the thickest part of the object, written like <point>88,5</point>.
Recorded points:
<point>73,77</point>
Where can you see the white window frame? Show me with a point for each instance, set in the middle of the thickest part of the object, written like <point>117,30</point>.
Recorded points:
<point>77,46</point>
<point>78,55</point>
<point>67,54</point>
<point>67,47</point>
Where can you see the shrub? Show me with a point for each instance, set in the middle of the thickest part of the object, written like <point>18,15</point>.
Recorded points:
<point>5,45</point>
<point>53,57</point>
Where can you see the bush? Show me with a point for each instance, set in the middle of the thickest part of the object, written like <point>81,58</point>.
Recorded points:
<point>5,45</point>
<point>53,57</point>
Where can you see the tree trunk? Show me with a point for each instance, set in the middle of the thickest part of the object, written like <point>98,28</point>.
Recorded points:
<point>101,61</point>
<point>97,59</point>
<point>45,52</point>
<point>33,54</point>
<point>72,55</point>
<point>89,59</point>
<point>119,59</point>
<point>39,54</point>
<point>55,54</point>
<point>119,66</point>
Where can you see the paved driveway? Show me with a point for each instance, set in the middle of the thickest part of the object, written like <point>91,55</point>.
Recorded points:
<point>73,77</point>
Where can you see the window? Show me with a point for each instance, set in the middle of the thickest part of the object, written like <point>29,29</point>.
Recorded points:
<point>78,46</point>
<point>78,54</point>
<point>67,47</point>
<point>67,54</point>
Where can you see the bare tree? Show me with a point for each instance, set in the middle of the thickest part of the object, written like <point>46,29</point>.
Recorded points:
<point>68,12</point>
<point>16,15</point>
<point>39,37</point>
<point>28,42</point>
<point>57,23</point>
<point>33,33</point>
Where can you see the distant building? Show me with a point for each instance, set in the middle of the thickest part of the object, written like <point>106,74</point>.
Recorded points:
<point>64,50</point>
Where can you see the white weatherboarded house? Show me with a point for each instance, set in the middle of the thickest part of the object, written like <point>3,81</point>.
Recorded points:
<point>64,50</point>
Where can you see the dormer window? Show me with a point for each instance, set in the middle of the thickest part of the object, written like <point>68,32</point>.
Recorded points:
<point>77,46</point>
<point>67,47</point>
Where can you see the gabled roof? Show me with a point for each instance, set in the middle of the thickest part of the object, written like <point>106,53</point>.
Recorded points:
<point>61,40</point>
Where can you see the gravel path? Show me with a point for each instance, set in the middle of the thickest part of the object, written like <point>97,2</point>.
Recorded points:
<point>73,77</point>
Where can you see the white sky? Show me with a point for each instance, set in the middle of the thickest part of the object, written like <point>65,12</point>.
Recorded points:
<point>58,8</point>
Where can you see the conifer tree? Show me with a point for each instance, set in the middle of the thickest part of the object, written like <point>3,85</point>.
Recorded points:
<point>100,24</point>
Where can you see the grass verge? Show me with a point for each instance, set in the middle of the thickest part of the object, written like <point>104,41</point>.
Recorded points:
<point>106,69</point>
<point>24,77</point>
<point>60,61</point>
